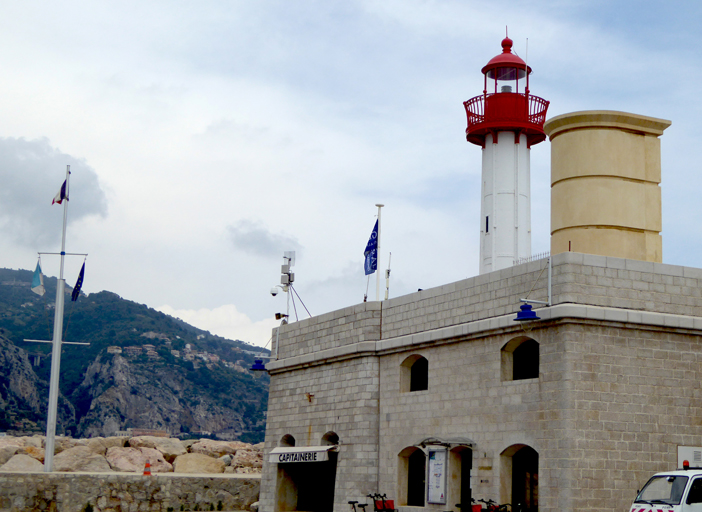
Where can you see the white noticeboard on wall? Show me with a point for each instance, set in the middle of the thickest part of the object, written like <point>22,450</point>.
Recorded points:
<point>436,483</point>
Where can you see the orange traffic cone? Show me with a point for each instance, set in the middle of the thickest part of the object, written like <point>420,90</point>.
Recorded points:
<point>147,469</point>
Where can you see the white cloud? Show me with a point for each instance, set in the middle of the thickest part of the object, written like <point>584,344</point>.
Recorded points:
<point>252,237</point>
<point>278,125</point>
<point>31,173</point>
<point>226,321</point>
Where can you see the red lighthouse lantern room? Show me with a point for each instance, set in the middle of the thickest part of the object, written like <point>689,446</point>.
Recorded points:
<point>502,107</point>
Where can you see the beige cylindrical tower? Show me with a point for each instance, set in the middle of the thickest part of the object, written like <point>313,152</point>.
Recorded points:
<point>605,175</point>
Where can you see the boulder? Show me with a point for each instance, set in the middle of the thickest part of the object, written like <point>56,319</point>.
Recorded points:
<point>239,445</point>
<point>36,441</point>
<point>33,451</point>
<point>81,458</point>
<point>11,441</point>
<point>248,459</point>
<point>64,443</point>
<point>158,463</point>
<point>116,441</point>
<point>7,452</point>
<point>216,448</point>
<point>21,463</point>
<point>97,445</point>
<point>247,471</point>
<point>169,447</point>
<point>227,459</point>
<point>187,443</point>
<point>128,460</point>
<point>197,463</point>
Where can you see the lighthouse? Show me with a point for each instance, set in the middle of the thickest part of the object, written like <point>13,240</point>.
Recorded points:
<point>505,121</point>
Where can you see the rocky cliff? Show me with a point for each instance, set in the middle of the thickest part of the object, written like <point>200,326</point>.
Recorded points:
<point>141,370</point>
<point>23,394</point>
<point>160,395</point>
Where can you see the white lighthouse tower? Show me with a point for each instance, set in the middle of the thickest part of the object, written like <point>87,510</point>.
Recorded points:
<point>505,121</point>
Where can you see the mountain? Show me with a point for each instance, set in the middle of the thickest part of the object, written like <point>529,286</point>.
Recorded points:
<point>142,370</point>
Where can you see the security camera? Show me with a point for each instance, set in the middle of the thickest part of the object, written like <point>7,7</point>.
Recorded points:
<point>274,291</point>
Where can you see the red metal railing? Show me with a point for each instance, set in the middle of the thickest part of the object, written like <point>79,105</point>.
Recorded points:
<point>508,108</point>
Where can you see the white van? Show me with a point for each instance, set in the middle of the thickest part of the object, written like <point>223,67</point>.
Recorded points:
<point>674,491</point>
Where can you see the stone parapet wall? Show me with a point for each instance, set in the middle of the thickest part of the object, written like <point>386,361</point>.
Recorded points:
<point>73,492</point>
<point>576,278</point>
<point>331,330</point>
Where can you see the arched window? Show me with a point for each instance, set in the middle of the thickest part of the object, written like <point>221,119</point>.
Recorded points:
<point>411,477</point>
<point>414,374</point>
<point>287,440</point>
<point>520,359</point>
<point>330,438</point>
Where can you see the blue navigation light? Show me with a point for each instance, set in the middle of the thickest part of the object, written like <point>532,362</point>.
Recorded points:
<point>526,314</point>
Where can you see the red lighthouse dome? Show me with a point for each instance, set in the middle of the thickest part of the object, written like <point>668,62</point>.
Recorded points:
<point>502,107</point>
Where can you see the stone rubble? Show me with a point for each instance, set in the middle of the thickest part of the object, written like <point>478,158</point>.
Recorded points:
<point>129,455</point>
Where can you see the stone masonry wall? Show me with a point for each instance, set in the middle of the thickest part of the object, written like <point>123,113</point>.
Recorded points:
<point>72,492</point>
<point>637,396</point>
<point>613,401</point>
<point>467,397</point>
<point>331,330</point>
<point>576,278</point>
<point>345,402</point>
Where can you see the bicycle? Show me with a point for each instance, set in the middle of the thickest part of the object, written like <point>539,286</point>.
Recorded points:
<point>473,507</point>
<point>493,506</point>
<point>362,506</point>
<point>381,503</point>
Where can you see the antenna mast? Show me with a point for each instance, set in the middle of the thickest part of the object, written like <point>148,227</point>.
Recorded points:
<point>387,278</point>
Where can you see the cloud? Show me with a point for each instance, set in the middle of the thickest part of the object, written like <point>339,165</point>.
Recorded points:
<point>32,172</point>
<point>252,237</point>
<point>226,321</point>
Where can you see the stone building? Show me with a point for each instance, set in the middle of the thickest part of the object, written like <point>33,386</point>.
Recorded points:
<point>439,397</point>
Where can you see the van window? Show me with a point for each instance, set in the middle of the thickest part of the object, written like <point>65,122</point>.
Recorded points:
<point>663,489</point>
<point>695,494</point>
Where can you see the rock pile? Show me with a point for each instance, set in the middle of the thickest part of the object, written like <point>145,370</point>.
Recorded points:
<point>130,455</point>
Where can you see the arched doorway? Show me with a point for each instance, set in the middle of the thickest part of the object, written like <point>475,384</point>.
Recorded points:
<point>326,476</point>
<point>525,479</point>
<point>411,477</point>
<point>460,464</point>
<point>520,477</point>
<point>307,485</point>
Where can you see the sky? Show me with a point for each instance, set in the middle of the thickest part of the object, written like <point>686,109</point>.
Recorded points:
<point>207,138</point>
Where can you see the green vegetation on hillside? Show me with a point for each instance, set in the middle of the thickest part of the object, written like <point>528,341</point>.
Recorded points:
<point>105,320</point>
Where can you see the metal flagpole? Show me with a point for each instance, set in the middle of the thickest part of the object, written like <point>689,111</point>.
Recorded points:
<point>377,257</point>
<point>56,352</point>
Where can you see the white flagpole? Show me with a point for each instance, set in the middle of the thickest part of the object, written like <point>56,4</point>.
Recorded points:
<point>56,352</point>
<point>377,254</point>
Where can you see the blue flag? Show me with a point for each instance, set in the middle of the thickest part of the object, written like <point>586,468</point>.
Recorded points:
<point>79,284</point>
<point>371,252</point>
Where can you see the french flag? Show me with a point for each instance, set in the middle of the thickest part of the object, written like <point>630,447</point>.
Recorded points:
<point>63,194</point>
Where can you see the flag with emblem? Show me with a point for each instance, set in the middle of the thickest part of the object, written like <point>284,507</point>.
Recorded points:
<point>79,284</point>
<point>371,252</point>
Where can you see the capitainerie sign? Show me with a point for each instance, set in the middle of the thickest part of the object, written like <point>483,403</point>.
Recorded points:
<point>301,454</point>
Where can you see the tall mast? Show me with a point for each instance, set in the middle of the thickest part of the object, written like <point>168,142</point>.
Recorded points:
<point>56,351</point>
<point>377,257</point>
